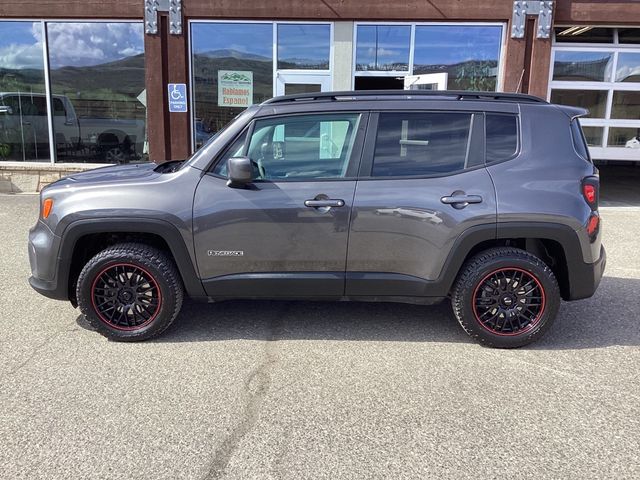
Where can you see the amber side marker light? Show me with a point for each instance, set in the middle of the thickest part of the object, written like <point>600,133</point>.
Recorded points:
<point>47,205</point>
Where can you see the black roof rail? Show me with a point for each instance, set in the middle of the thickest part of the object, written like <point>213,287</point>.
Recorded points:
<point>390,94</point>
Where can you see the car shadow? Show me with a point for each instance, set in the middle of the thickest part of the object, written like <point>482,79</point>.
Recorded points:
<point>610,318</point>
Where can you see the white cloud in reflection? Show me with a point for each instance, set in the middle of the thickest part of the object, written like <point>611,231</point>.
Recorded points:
<point>82,44</point>
<point>74,44</point>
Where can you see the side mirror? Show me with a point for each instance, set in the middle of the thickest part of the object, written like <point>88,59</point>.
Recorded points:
<point>6,109</point>
<point>240,172</point>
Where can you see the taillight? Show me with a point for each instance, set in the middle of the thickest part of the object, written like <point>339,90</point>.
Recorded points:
<point>591,191</point>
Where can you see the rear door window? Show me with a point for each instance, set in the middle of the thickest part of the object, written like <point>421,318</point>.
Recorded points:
<point>421,143</point>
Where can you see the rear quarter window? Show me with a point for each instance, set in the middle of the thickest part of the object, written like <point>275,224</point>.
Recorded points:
<point>501,136</point>
<point>579,142</point>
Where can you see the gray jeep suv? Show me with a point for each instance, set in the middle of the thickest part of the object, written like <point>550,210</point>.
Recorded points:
<point>488,199</point>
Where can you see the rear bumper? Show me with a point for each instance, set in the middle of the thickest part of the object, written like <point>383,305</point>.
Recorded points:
<point>585,277</point>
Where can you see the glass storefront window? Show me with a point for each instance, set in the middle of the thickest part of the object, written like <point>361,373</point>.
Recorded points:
<point>626,105</point>
<point>229,58</point>
<point>24,131</point>
<point>629,35</point>
<point>97,84</point>
<point>584,34</point>
<point>383,47</point>
<point>624,137</point>
<point>628,68</point>
<point>594,100</point>
<point>468,54</point>
<point>593,135</point>
<point>582,66</point>
<point>304,46</point>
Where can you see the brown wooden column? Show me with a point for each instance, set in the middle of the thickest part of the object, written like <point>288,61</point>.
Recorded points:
<point>527,61</point>
<point>178,72</point>
<point>540,66</point>
<point>514,66</point>
<point>166,62</point>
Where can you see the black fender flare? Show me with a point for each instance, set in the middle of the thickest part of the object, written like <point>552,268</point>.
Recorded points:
<point>168,232</point>
<point>580,282</point>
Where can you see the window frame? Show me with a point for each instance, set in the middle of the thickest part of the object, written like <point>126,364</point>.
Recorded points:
<point>354,160</point>
<point>475,145</point>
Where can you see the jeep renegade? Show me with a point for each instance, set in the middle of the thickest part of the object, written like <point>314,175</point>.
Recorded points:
<point>487,199</point>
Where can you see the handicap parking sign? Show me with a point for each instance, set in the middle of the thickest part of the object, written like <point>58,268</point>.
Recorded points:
<point>177,97</point>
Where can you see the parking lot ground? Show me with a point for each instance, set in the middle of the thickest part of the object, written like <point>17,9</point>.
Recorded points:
<point>297,390</point>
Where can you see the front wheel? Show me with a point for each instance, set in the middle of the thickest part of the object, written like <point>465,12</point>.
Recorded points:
<point>130,292</point>
<point>506,297</point>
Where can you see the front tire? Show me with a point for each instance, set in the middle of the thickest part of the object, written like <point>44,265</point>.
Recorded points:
<point>130,292</point>
<point>506,297</point>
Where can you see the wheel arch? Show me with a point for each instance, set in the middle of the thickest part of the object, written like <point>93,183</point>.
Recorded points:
<point>556,244</point>
<point>84,238</point>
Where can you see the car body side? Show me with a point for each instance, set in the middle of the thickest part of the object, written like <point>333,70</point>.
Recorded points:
<point>533,201</point>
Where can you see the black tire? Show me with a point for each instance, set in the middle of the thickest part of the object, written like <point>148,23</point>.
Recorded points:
<point>126,273</point>
<point>483,301</point>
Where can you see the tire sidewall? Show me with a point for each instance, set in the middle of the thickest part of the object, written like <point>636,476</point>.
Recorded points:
<point>84,295</point>
<point>466,299</point>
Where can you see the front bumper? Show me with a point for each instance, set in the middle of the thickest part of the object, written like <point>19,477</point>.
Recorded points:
<point>585,277</point>
<point>44,248</point>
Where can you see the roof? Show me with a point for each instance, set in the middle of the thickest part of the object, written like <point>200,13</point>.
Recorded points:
<point>453,95</point>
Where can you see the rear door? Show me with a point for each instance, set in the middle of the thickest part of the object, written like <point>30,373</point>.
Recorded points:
<point>285,235</point>
<point>423,183</point>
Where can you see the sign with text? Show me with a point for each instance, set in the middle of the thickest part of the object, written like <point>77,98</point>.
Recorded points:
<point>177,97</point>
<point>235,88</point>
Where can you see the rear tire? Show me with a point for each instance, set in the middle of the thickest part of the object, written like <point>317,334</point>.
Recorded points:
<point>505,297</point>
<point>130,292</point>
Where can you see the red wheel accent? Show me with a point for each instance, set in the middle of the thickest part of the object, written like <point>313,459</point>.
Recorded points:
<point>126,296</point>
<point>509,301</point>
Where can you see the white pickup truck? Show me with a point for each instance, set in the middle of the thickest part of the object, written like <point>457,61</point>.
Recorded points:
<point>24,132</point>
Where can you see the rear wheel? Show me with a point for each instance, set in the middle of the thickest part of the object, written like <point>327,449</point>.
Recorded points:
<point>130,292</point>
<point>506,297</point>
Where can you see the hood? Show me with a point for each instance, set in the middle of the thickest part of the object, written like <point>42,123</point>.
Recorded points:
<point>116,173</point>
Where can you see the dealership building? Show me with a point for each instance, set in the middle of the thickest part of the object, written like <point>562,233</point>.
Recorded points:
<point>122,81</point>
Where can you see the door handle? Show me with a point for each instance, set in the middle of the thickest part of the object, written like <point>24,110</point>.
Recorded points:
<point>460,200</point>
<point>324,203</point>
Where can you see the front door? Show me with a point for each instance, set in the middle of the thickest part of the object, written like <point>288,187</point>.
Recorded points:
<point>285,235</point>
<point>292,83</point>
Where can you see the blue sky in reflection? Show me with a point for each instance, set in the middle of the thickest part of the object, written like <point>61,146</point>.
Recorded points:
<point>254,39</point>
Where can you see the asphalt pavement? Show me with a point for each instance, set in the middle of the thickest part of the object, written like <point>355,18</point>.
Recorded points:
<point>300,390</point>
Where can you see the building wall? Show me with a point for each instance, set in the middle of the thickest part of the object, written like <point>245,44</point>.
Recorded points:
<point>525,61</point>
